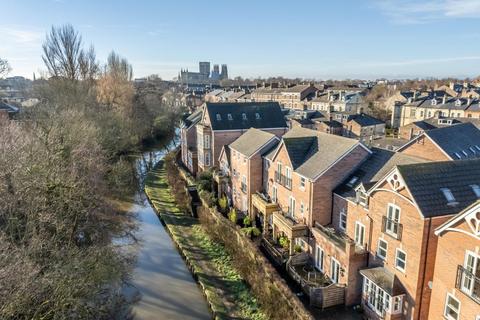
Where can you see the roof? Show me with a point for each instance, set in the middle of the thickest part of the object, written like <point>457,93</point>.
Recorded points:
<point>365,120</point>
<point>474,207</point>
<point>457,140</point>
<point>252,141</point>
<point>8,107</point>
<point>257,115</point>
<point>193,118</point>
<point>384,279</point>
<point>424,125</point>
<point>425,181</point>
<point>377,166</point>
<point>297,88</point>
<point>312,152</point>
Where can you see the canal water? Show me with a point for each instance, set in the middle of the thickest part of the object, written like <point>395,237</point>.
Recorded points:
<point>162,284</point>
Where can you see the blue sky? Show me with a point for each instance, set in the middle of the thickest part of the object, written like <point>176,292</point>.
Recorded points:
<point>307,39</point>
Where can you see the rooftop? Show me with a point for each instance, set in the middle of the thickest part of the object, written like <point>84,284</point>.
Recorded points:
<point>252,141</point>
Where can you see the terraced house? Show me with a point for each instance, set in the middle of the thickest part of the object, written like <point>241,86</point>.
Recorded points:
<point>223,123</point>
<point>395,219</point>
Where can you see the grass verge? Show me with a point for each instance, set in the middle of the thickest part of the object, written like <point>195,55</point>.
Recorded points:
<point>227,293</point>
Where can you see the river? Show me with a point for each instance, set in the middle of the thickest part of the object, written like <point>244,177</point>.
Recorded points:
<point>161,280</point>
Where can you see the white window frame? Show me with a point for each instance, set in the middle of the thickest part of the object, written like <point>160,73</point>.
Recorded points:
<point>375,297</point>
<point>342,220</point>
<point>359,231</point>
<point>303,182</point>
<point>334,270</point>
<point>206,141</point>
<point>288,175</point>
<point>391,230</point>
<point>319,261</point>
<point>396,259</point>
<point>397,304</point>
<point>291,206</point>
<point>274,194</point>
<point>384,257</point>
<point>476,260</point>
<point>302,209</point>
<point>445,314</point>
<point>207,158</point>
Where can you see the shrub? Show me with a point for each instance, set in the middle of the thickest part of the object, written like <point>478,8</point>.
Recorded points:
<point>223,203</point>
<point>297,248</point>
<point>209,197</point>
<point>251,231</point>
<point>284,242</point>
<point>233,215</point>
<point>247,221</point>
<point>205,181</point>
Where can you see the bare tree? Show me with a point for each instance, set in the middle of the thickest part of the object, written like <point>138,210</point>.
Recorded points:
<point>4,67</point>
<point>65,57</point>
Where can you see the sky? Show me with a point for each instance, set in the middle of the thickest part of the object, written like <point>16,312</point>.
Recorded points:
<point>315,39</point>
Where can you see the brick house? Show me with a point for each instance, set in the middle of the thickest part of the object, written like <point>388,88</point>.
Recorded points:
<point>245,165</point>
<point>188,141</point>
<point>396,218</point>
<point>456,142</point>
<point>456,280</point>
<point>293,97</point>
<point>301,174</point>
<point>223,123</point>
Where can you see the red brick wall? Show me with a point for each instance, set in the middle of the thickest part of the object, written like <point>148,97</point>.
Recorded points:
<point>425,148</point>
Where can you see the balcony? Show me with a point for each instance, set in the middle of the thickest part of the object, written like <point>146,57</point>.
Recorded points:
<point>283,180</point>
<point>392,228</point>
<point>329,233</point>
<point>468,283</point>
<point>263,204</point>
<point>286,224</point>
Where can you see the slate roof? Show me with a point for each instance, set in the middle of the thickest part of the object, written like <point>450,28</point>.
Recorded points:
<point>457,139</point>
<point>251,141</point>
<point>8,107</point>
<point>425,180</point>
<point>365,120</point>
<point>297,88</point>
<point>193,118</point>
<point>424,125</point>
<point>269,115</point>
<point>377,166</point>
<point>312,152</point>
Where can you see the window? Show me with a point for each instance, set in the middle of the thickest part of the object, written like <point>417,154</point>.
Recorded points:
<point>219,117</point>
<point>244,184</point>
<point>471,267</point>
<point>362,197</point>
<point>244,204</point>
<point>448,195</point>
<point>334,270</point>
<point>476,189</point>
<point>274,194</point>
<point>352,181</point>
<point>206,142</point>
<point>376,298</point>
<point>302,183</point>
<point>244,116</point>
<point>302,209</point>
<point>401,260</point>
<point>393,219</point>
<point>257,116</point>
<point>452,307</point>
<point>291,207</point>
<point>359,234</point>
<point>288,173</point>
<point>343,220</point>
<point>207,158</point>
<point>279,170</point>
<point>229,116</point>
<point>382,249</point>
<point>397,304</point>
<point>319,258</point>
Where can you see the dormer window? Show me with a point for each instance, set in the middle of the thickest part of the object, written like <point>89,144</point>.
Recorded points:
<point>476,190</point>
<point>352,181</point>
<point>362,197</point>
<point>457,155</point>
<point>434,102</point>
<point>229,116</point>
<point>465,153</point>
<point>219,117</point>
<point>458,102</point>
<point>449,196</point>
<point>244,116</point>
<point>473,150</point>
<point>478,148</point>
<point>257,116</point>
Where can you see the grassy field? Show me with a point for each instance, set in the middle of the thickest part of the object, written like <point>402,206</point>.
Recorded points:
<point>227,293</point>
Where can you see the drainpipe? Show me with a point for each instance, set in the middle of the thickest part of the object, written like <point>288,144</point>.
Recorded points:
<point>424,266</point>
<point>369,238</point>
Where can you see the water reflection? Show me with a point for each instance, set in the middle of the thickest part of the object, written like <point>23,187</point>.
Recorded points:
<point>160,279</point>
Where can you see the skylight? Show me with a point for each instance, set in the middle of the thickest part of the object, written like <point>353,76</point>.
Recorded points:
<point>352,181</point>
<point>257,116</point>
<point>457,155</point>
<point>478,148</point>
<point>449,196</point>
<point>465,153</point>
<point>219,117</point>
<point>229,116</point>
<point>244,116</point>
<point>476,190</point>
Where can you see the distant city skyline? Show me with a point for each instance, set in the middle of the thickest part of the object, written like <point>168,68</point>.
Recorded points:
<point>318,40</point>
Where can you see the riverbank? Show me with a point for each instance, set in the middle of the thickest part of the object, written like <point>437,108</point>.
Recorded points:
<point>227,293</point>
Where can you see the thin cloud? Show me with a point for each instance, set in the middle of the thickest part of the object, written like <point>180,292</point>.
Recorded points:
<point>21,36</point>
<point>415,12</point>
<point>419,61</point>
